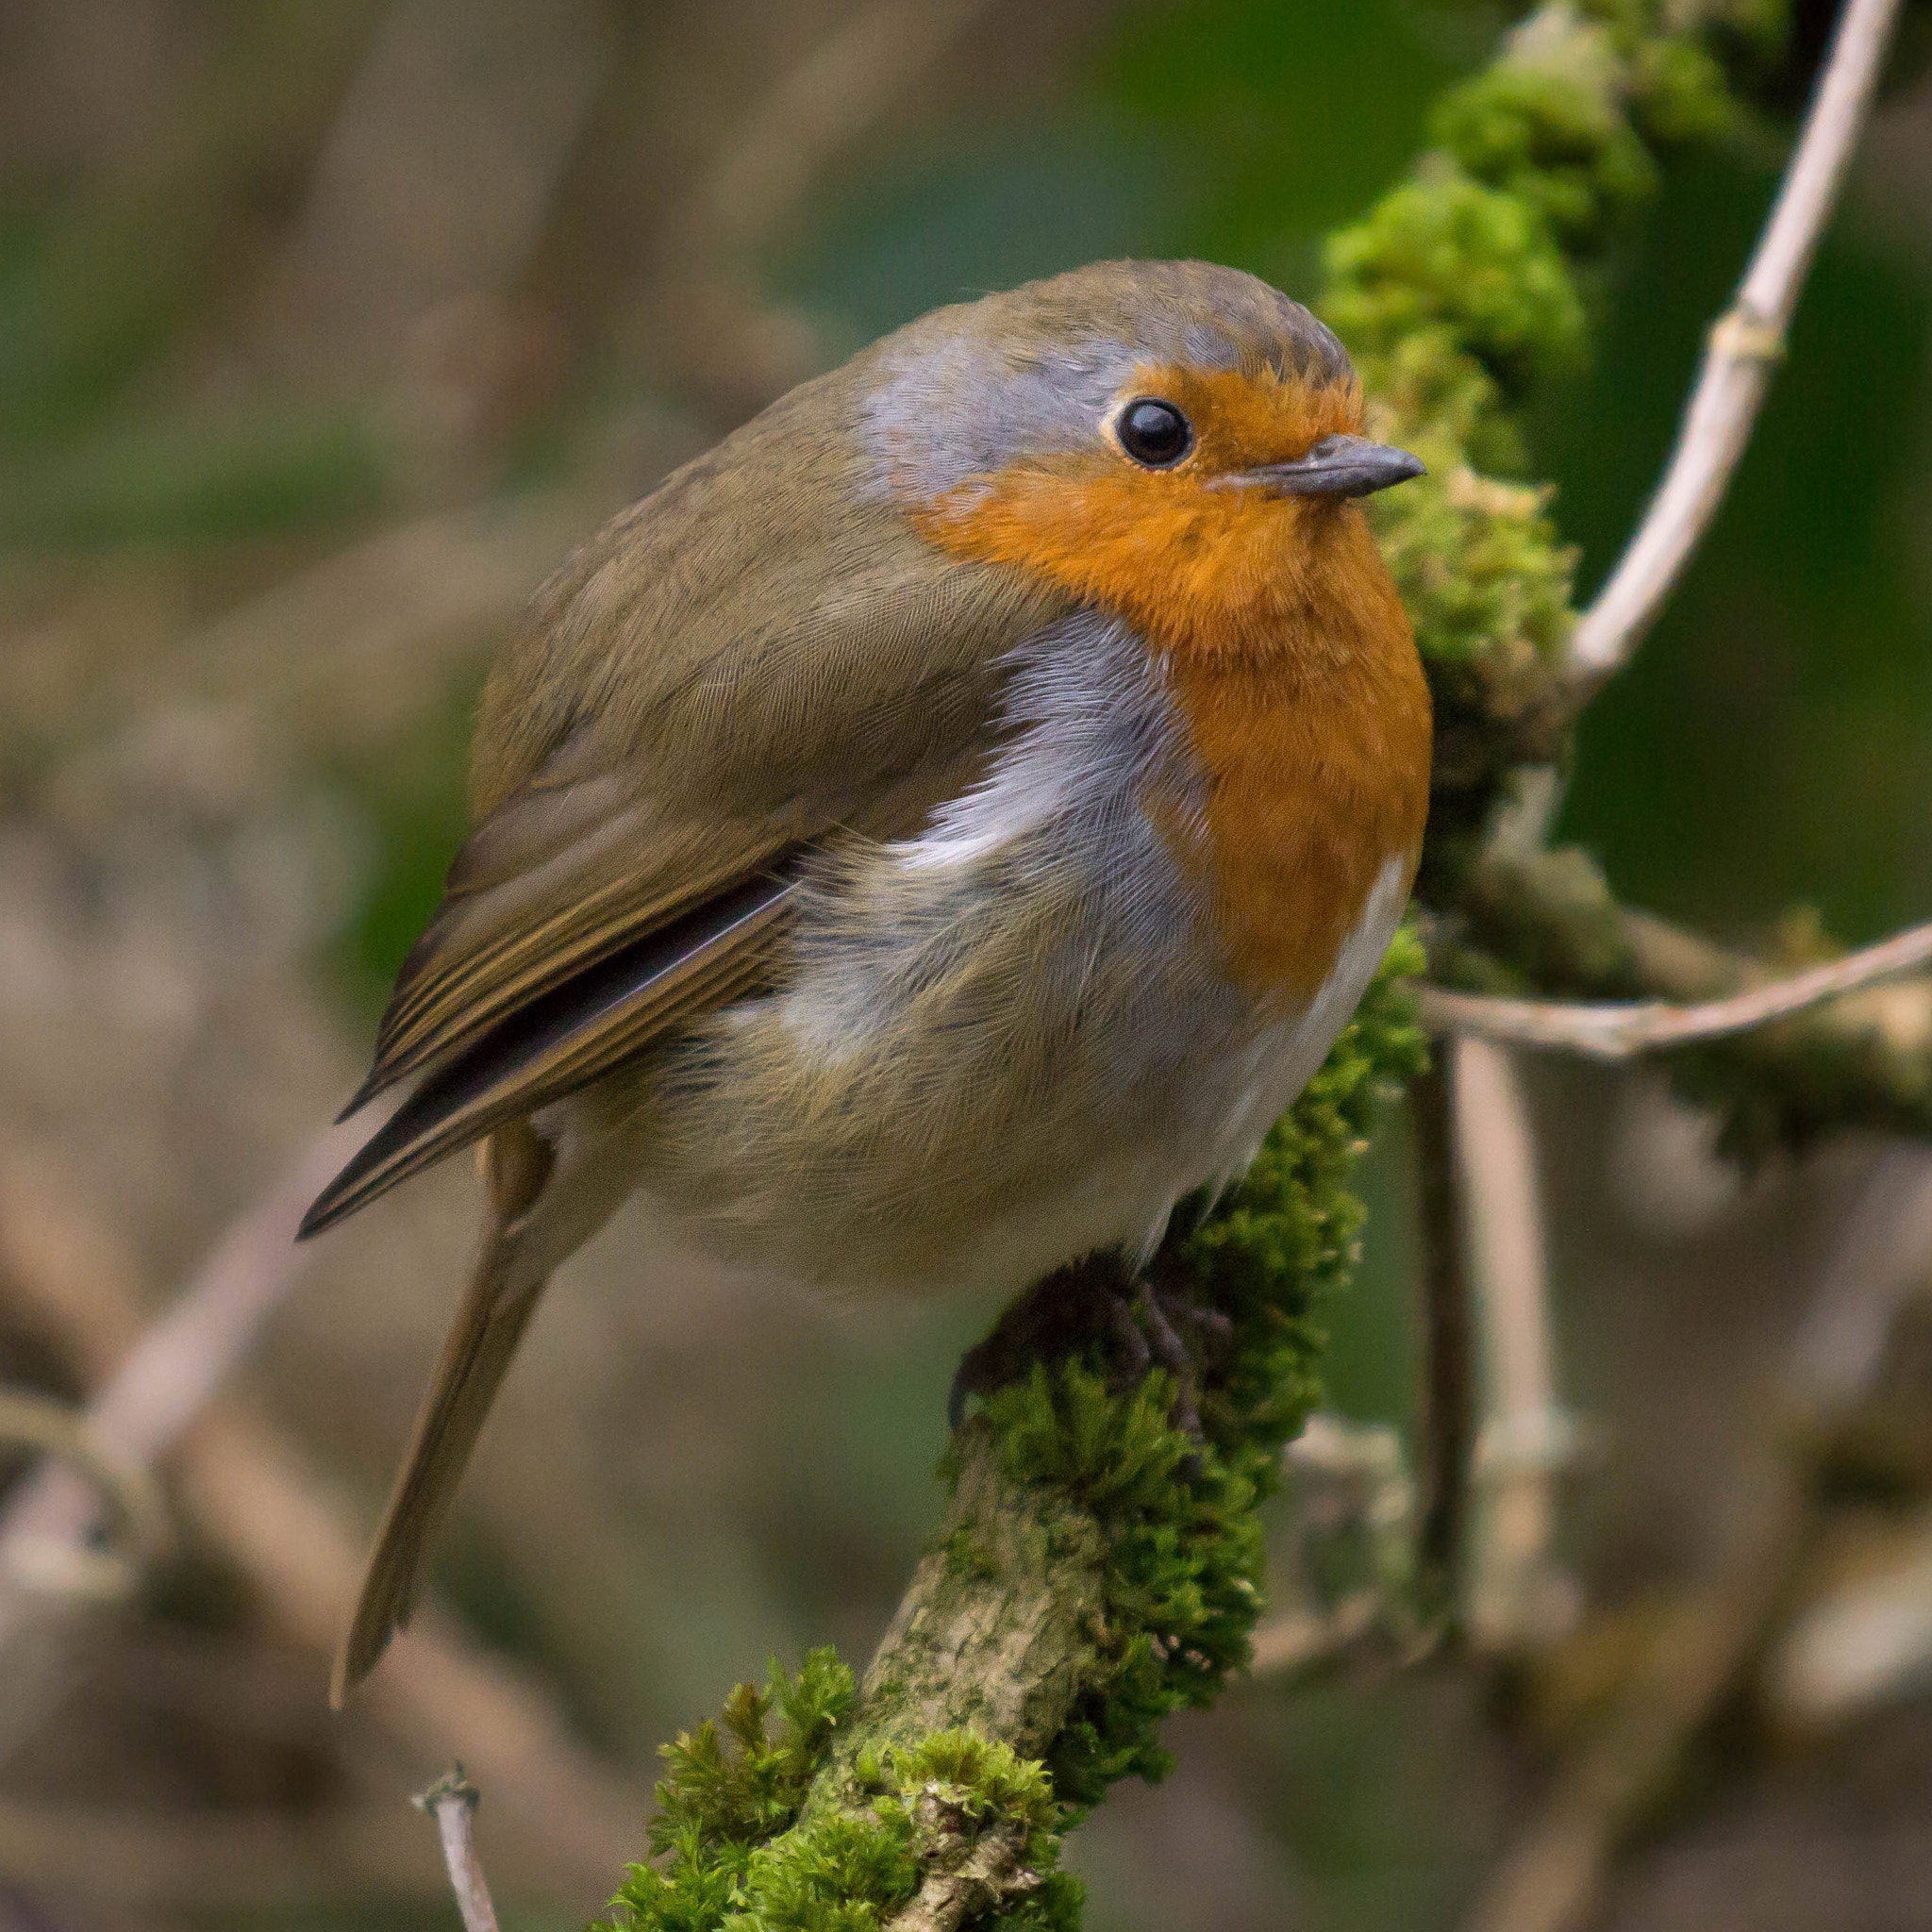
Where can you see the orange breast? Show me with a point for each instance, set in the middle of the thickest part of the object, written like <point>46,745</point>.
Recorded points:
<point>1290,659</point>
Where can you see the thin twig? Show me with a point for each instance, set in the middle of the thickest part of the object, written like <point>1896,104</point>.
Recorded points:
<point>1869,1636</point>
<point>452,1801</point>
<point>1553,1878</point>
<point>1351,1486</point>
<point>1448,1396</point>
<point>1746,342</point>
<point>1622,1029</point>
<point>160,1387</point>
<point>1515,1592</point>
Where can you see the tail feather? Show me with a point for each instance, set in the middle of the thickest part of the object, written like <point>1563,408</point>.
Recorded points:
<point>476,1353</point>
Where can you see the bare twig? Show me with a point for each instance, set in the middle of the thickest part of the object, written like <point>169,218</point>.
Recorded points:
<point>1746,342</point>
<point>154,1394</point>
<point>1348,1481</point>
<point>1515,1592</point>
<point>1866,1643</point>
<point>452,1801</point>
<point>563,1815</point>
<point>1448,1396</point>
<point>1551,1880</point>
<point>1622,1029</point>
<point>1883,1255</point>
<point>1870,1637</point>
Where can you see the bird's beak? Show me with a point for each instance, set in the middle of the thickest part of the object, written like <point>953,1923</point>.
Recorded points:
<point>1337,466</point>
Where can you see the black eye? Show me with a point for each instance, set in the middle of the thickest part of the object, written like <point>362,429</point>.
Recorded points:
<point>1154,432</point>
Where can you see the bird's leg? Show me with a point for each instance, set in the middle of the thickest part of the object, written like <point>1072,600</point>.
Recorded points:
<point>1173,1354</point>
<point>1095,1309</point>
<point>1074,1311</point>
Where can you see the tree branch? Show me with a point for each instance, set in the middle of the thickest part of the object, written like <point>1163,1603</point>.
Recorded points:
<point>1745,344</point>
<point>1623,1030</point>
<point>1862,1059</point>
<point>1516,1593</point>
<point>1446,1428</point>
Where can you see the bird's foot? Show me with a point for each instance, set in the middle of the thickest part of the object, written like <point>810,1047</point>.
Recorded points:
<point>1096,1309</point>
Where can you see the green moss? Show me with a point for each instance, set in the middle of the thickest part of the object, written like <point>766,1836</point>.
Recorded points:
<point>1677,93</point>
<point>1479,564</point>
<point>730,1853</point>
<point>1456,294</point>
<point>1450,252</point>
<point>1556,144</point>
<point>741,1841</point>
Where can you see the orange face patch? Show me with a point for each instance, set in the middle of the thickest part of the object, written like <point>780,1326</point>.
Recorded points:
<point>1243,421</point>
<point>1287,649</point>
<point>1198,560</point>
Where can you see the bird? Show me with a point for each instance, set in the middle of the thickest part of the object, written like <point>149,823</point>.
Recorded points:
<point>929,835</point>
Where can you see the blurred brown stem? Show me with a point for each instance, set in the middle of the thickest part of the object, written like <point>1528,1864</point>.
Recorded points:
<point>1446,1424</point>
<point>1515,1593</point>
<point>1552,1880</point>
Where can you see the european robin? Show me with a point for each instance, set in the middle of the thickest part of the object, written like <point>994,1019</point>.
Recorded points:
<point>927,835</point>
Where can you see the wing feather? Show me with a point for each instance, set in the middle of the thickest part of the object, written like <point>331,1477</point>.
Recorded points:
<point>760,656</point>
<point>564,1039</point>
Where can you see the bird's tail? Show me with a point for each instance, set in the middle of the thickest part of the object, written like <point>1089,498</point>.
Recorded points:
<point>496,1309</point>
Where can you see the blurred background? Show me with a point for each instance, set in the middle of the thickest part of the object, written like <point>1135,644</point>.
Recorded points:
<point>324,331</point>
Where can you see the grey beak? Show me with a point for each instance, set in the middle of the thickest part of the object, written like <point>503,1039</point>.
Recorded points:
<point>1338,466</point>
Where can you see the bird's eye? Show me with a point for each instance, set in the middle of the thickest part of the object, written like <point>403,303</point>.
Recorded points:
<point>1154,433</point>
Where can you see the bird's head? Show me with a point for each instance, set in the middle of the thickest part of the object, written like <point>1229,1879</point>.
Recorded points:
<point>1176,442</point>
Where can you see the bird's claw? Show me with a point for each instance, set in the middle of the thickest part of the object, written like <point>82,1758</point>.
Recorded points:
<point>1096,1306</point>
